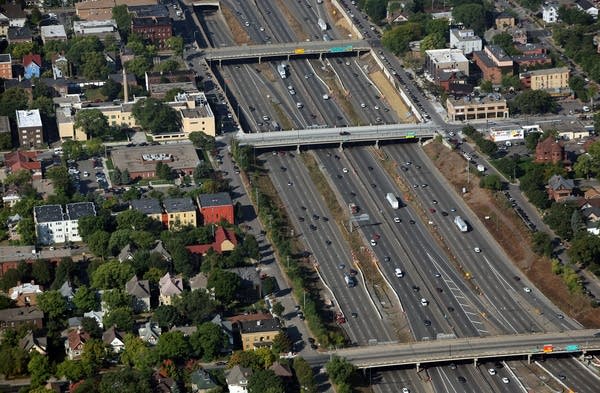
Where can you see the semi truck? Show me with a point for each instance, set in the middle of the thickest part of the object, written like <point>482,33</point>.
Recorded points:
<point>282,69</point>
<point>322,24</point>
<point>461,224</point>
<point>349,280</point>
<point>391,198</point>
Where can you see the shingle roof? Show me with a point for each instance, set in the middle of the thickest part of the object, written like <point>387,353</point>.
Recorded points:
<point>556,182</point>
<point>173,205</point>
<point>238,375</point>
<point>138,288</point>
<point>170,285</point>
<point>219,199</point>
<point>201,378</point>
<point>261,325</point>
<point>20,314</point>
<point>146,206</point>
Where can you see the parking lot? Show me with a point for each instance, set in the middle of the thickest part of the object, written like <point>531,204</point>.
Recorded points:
<point>88,175</point>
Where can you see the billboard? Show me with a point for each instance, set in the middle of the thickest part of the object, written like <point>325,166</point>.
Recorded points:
<point>506,134</point>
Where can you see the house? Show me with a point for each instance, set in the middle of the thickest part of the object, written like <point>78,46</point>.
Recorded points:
<point>19,35</point>
<point>163,383</point>
<point>60,66</point>
<point>201,381</point>
<point>55,226</point>
<point>53,33</point>
<point>181,213</point>
<point>126,253</point>
<point>31,343</point>
<point>75,342</point>
<point>186,330</point>
<point>12,224</point>
<point>14,317</point>
<point>237,379</point>
<point>5,66</point>
<point>30,128</point>
<point>32,64</point>
<point>560,188</point>
<point>148,206</point>
<point>257,333</point>
<point>199,281</point>
<point>504,20</point>
<point>98,316</point>
<point>160,249</point>
<point>24,160</point>
<point>591,214</point>
<point>281,370</point>
<point>250,281</point>
<point>592,193</point>
<point>466,40</point>
<point>150,333</point>
<point>115,339</point>
<point>519,36</point>
<point>550,13</point>
<point>587,7</point>
<point>216,207</point>
<point>225,240</point>
<point>4,25</point>
<point>140,290</point>
<point>475,108</point>
<point>226,327</point>
<point>169,287</point>
<point>14,13</point>
<point>549,150</point>
<point>25,294</point>
<point>494,63</point>
<point>155,29</point>
<point>455,83</point>
<point>66,291</point>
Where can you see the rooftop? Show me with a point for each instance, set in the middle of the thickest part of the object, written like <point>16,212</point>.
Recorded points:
<point>147,11</point>
<point>218,199</point>
<point>183,157</point>
<point>149,22</point>
<point>5,58</point>
<point>80,209</point>
<point>260,325</point>
<point>146,205</point>
<point>48,213</point>
<point>446,55</point>
<point>174,205</point>
<point>548,71</point>
<point>21,314</point>
<point>498,53</point>
<point>53,31</point>
<point>29,118</point>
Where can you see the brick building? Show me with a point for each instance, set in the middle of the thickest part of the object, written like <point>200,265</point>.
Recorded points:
<point>155,29</point>
<point>30,128</point>
<point>494,63</point>
<point>216,207</point>
<point>549,150</point>
<point>5,66</point>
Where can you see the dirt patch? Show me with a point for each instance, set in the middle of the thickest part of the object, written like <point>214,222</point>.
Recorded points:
<point>392,97</point>
<point>292,22</point>
<point>338,20</point>
<point>267,71</point>
<point>238,33</point>
<point>510,232</point>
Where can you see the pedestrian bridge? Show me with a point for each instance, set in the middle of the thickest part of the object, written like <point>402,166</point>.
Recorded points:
<point>576,342</point>
<point>336,135</point>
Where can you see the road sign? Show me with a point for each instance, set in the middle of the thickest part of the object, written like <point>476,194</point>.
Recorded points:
<point>299,51</point>
<point>548,348</point>
<point>572,347</point>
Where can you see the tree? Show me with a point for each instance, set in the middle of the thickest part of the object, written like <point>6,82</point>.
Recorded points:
<point>208,341</point>
<point>94,66</point>
<point>281,343</point>
<point>137,354</point>
<point>112,274</point>
<point>73,150</point>
<point>558,217</point>
<point>171,94</point>
<point>123,19</point>
<point>90,325</point>
<point>71,369</point>
<point>81,47</point>
<point>94,353</point>
<point>202,141</point>
<point>111,89</point>
<point>36,16</point>
<point>139,65</point>
<point>472,15</point>
<point>432,41</point>
<point>6,141</point>
<point>92,122</point>
<point>585,249</point>
<point>125,380</point>
<point>225,283</point>
<point>59,176</point>
<point>66,270</point>
<point>21,49</point>
<point>339,370</point>
<point>265,381</point>
<point>119,239</point>
<point>304,375</point>
<point>39,369</point>
<point>164,171</point>
<point>584,166</point>
<point>172,345</point>
<point>195,306</point>
<point>278,309</point>
<point>542,244</point>
<point>133,220</point>
<point>505,41</point>
<point>45,105</point>
<point>11,100</point>
<point>52,304</point>
<point>13,361</point>
<point>125,176</point>
<point>375,9</point>
<point>117,298</point>
<point>98,243</point>
<point>155,116</point>
<point>90,224</point>
<point>166,316</point>
<point>121,317</point>
<point>533,101</point>
<point>42,271</point>
<point>531,140</point>
<point>169,65</point>
<point>398,38</point>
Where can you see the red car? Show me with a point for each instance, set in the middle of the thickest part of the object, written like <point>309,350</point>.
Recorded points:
<point>376,236</point>
<point>432,210</point>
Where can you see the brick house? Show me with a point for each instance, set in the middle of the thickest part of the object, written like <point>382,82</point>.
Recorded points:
<point>216,207</point>
<point>549,150</point>
<point>494,63</point>
<point>155,29</point>
<point>559,188</point>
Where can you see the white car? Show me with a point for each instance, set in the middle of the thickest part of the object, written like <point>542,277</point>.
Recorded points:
<point>405,390</point>
<point>491,371</point>
<point>396,219</point>
<point>424,302</point>
<point>527,289</point>
<point>363,105</point>
<point>345,170</point>
<point>373,243</point>
<point>477,249</point>
<point>505,380</point>
<point>86,174</point>
<point>399,272</point>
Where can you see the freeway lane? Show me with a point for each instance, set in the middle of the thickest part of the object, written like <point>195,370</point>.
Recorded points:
<point>572,374</point>
<point>302,193</point>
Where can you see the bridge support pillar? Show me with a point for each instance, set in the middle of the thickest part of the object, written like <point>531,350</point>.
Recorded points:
<point>298,149</point>
<point>475,362</point>
<point>321,56</point>
<point>528,358</point>
<point>377,144</point>
<point>259,59</point>
<point>341,148</point>
<point>418,367</point>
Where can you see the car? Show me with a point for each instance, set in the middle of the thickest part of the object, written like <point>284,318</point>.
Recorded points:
<point>313,346</point>
<point>373,243</point>
<point>363,105</point>
<point>492,371</point>
<point>373,185</point>
<point>505,380</point>
<point>415,186</point>
<point>266,118</point>
<point>453,210</point>
<point>303,208</point>
<point>353,272</point>
<point>283,168</point>
<point>397,220</point>
<point>328,242</point>
<point>370,168</point>
<point>310,339</point>
<point>416,288</point>
<point>461,379</point>
<point>354,315</point>
<point>560,316</point>
<point>477,249</point>
<point>315,217</point>
<point>527,289</point>
<point>399,273</point>
<point>444,214</point>
<point>301,317</point>
<point>424,185</point>
<point>431,210</point>
<point>435,202</point>
<point>289,183</point>
<point>437,275</point>
<point>562,377</point>
<point>424,302</point>
<point>313,227</point>
<point>405,390</point>
<point>450,308</point>
<point>452,366</point>
<point>387,259</point>
<point>86,173</point>
<point>427,322</point>
<point>440,290</point>
<point>341,266</point>
<point>345,170</point>
<point>411,221</point>
<point>325,219</point>
<point>517,278</point>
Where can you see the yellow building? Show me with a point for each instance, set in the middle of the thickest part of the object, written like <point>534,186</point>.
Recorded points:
<point>258,333</point>
<point>148,206</point>
<point>181,212</point>
<point>552,78</point>
<point>470,108</point>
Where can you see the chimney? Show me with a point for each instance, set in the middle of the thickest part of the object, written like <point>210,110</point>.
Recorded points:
<point>258,323</point>
<point>125,87</point>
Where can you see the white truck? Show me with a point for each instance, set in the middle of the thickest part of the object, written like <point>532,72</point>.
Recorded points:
<point>322,24</point>
<point>391,198</point>
<point>282,69</point>
<point>461,224</point>
<point>349,280</point>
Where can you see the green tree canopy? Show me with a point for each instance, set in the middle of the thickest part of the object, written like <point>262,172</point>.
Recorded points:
<point>126,380</point>
<point>156,117</point>
<point>208,341</point>
<point>225,283</point>
<point>92,122</point>
<point>472,15</point>
<point>265,381</point>
<point>533,102</point>
<point>112,274</point>
<point>98,243</point>
<point>339,370</point>
<point>11,100</point>
<point>121,317</point>
<point>52,304</point>
<point>172,345</point>
<point>137,354</point>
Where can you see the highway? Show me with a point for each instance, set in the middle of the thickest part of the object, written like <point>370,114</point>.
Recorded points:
<point>329,251</point>
<point>571,374</point>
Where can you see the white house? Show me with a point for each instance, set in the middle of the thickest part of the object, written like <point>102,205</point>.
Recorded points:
<point>114,339</point>
<point>237,379</point>
<point>465,40</point>
<point>550,13</point>
<point>53,225</point>
<point>150,333</point>
<point>587,7</point>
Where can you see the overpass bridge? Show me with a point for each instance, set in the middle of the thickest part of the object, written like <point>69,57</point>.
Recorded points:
<point>286,50</point>
<point>576,342</point>
<point>336,135</point>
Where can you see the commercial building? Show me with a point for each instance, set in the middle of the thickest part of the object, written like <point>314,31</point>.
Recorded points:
<point>465,40</point>
<point>555,79</point>
<point>5,66</point>
<point>141,161</point>
<point>53,225</point>
<point>97,28</point>
<point>53,33</point>
<point>494,63</point>
<point>156,29</point>
<point>216,207</point>
<point>181,212</point>
<point>445,60</point>
<point>469,108</point>
<point>102,9</point>
<point>506,133</point>
<point>30,128</point>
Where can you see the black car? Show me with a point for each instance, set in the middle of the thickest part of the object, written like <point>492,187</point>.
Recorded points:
<point>315,217</point>
<point>313,227</point>
<point>328,242</point>
<point>444,214</point>
<point>427,322</point>
<point>412,221</point>
<point>301,219</point>
<point>461,379</point>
